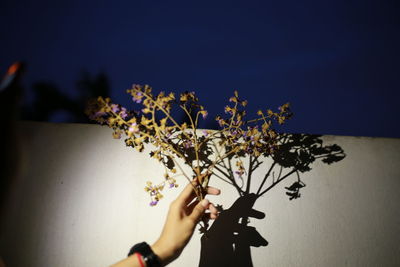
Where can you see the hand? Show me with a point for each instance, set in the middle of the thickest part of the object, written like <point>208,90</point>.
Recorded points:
<point>183,215</point>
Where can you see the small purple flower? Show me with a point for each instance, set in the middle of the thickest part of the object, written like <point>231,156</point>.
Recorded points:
<point>171,185</point>
<point>123,113</point>
<point>133,128</point>
<point>136,100</point>
<point>205,132</point>
<point>239,173</point>
<point>188,144</point>
<point>204,114</point>
<point>153,203</point>
<point>115,108</point>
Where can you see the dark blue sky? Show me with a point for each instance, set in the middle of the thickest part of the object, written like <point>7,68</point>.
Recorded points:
<point>336,62</point>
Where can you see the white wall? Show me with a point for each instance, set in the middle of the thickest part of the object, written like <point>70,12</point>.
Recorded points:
<point>80,201</point>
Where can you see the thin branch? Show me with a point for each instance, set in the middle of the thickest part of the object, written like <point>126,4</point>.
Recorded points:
<point>280,172</point>
<point>223,179</point>
<point>277,182</point>
<point>266,177</point>
<point>221,171</point>
<point>196,147</point>
<point>233,181</point>
<point>250,172</point>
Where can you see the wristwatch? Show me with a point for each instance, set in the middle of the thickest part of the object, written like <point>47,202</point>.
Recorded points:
<point>147,253</point>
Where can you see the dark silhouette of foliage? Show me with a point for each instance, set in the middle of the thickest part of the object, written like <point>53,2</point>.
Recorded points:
<point>49,99</point>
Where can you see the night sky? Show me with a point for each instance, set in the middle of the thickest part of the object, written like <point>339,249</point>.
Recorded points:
<point>336,62</point>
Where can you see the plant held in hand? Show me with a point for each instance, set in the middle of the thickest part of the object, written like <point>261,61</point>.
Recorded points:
<point>174,143</point>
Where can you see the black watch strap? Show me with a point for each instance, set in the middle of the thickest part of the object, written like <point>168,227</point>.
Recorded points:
<point>147,253</point>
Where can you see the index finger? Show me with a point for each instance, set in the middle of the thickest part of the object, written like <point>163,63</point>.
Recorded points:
<point>188,193</point>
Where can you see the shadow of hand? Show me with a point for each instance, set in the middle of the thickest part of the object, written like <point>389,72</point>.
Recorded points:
<point>228,241</point>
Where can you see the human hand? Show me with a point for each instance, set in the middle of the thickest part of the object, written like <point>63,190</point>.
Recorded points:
<point>183,215</point>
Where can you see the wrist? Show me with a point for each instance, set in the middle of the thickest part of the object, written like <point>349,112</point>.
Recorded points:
<point>164,254</point>
<point>150,258</point>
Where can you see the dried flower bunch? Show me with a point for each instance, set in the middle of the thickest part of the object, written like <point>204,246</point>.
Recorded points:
<point>174,142</point>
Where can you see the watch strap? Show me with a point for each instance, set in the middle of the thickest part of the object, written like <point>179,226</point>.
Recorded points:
<point>147,253</point>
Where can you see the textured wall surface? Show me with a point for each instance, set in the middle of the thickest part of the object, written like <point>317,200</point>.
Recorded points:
<point>79,201</point>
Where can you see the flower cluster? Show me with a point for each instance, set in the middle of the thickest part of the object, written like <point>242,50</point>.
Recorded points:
<point>174,142</point>
<point>155,190</point>
<point>249,136</point>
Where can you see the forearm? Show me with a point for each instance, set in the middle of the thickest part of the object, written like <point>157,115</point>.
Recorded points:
<point>183,215</point>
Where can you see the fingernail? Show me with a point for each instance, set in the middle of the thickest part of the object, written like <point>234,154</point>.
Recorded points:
<point>205,203</point>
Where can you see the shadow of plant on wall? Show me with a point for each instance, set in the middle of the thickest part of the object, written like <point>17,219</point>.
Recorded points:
<point>227,242</point>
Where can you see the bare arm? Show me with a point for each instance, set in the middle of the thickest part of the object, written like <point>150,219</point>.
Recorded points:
<point>183,215</point>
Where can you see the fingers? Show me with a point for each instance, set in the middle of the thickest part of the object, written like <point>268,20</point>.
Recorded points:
<point>199,210</point>
<point>196,213</point>
<point>188,194</point>
<point>210,191</point>
<point>191,206</point>
<point>213,191</point>
<point>213,211</point>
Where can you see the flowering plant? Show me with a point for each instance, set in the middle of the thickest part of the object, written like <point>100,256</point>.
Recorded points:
<point>204,151</point>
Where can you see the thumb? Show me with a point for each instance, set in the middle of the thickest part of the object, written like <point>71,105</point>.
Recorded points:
<point>199,210</point>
